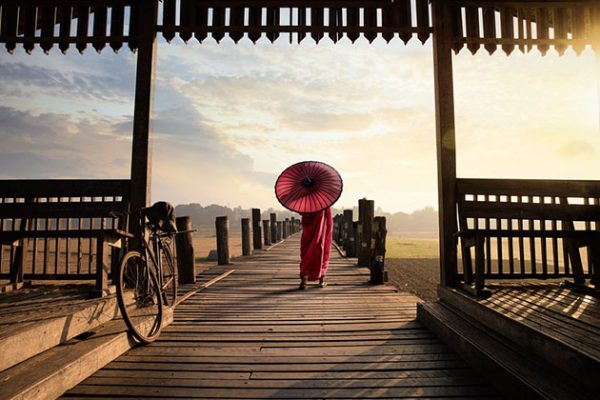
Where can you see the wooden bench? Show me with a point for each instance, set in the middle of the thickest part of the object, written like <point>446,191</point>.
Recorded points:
<point>58,212</point>
<point>541,223</point>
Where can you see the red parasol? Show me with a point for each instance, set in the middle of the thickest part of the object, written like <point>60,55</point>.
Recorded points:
<point>308,186</point>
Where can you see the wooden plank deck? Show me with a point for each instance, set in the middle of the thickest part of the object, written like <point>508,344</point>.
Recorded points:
<point>567,316</point>
<point>254,335</point>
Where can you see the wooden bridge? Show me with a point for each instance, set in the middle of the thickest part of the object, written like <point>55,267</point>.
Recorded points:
<point>255,335</point>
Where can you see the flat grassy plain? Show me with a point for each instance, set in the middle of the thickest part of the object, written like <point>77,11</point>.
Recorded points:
<point>412,262</point>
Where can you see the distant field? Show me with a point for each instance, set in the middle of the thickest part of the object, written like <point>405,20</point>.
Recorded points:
<point>397,246</point>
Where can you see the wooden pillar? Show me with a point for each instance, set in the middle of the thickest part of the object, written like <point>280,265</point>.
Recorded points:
<point>266,232</point>
<point>445,139</point>
<point>286,228</point>
<point>366,213</point>
<point>292,225</point>
<point>355,226</point>
<point>378,254</point>
<point>102,268</point>
<point>279,230</point>
<point>222,227</point>
<point>246,237</point>
<point>256,231</point>
<point>348,234</point>
<point>141,148</point>
<point>185,251</point>
<point>273,228</point>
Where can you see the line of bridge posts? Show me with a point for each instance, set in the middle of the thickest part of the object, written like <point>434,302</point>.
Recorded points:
<point>363,238</point>
<point>256,233</point>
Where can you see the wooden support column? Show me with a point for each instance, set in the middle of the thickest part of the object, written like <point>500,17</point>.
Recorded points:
<point>273,228</point>
<point>185,251</point>
<point>349,245</point>
<point>378,251</point>
<point>445,139</point>
<point>286,228</point>
<point>256,231</point>
<point>141,152</point>
<point>279,230</point>
<point>246,237</point>
<point>222,228</point>
<point>366,214</point>
<point>266,232</point>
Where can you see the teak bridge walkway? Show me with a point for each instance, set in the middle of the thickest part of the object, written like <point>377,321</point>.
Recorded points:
<point>255,335</point>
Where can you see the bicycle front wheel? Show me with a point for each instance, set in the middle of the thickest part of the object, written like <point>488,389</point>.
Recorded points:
<point>139,297</point>
<point>169,277</point>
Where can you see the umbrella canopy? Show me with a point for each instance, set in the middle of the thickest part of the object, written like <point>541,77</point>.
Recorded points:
<point>308,186</point>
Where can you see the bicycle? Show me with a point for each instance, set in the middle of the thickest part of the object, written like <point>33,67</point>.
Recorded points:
<point>147,277</point>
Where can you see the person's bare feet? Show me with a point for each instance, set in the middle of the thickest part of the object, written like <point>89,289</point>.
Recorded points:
<point>322,282</point>
<point>303,282</point>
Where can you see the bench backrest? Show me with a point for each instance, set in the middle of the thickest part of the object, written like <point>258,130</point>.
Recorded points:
<point>61,204</point>
<point>528,199</point>
<point>522,205</point>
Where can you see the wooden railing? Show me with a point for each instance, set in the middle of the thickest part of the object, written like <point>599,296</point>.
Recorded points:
<point>528,229</point>
<point>51,229</point>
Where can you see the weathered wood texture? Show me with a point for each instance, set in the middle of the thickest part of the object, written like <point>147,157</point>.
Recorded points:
<point>53,229</point>
<point>246,250</point>
<point>266,232</point>
<point>273,221</point>
<point>349,245</point>
<point>222,229</point>
<point>185,251</point>
<point>366,212</point>
<point>279,230</point>
<point>256,230</point>
<point>378,251</point>
<point>556,324</point>
<point>254,335</point>
<point>529,229</point>
<point>34,319</point>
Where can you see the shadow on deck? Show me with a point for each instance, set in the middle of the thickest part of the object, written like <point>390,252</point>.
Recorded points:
<point>254,335</point>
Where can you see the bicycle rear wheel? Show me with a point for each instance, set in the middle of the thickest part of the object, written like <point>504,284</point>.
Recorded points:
<point>139,297</point>
<point>169,277</point>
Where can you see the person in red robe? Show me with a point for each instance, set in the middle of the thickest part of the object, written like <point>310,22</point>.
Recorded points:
<point>315,246</point>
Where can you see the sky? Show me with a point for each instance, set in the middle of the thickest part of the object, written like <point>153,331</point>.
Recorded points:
<point>228,118</point>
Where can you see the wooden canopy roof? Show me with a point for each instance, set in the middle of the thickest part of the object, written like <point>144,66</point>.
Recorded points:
<point>491,24</point>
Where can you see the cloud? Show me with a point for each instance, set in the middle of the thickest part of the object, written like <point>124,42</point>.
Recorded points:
<point>51,145</point>
<point>22,79</point>
<point>576,149</point>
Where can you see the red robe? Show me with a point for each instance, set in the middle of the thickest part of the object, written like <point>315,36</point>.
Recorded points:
<point>315,244</point>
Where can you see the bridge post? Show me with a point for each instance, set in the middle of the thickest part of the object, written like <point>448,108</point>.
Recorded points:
<point>185,251</point>
<point>222,227</point>
<point>256,231</point>
<point>445,139</point>
<point>266,231</point>
<point>286,227</point>
<point>246,237</point>
<point>141,148</point>
<point>378,256</point>
<point>348,234</point>
<point>366,211</point>
<point>279,230</point>
<point>273,228</point>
